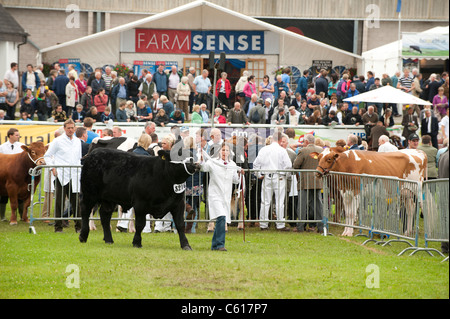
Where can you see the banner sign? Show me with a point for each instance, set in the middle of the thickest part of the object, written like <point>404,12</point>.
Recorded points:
<point>198,42</point>
<point>30,133</point>
<point>64,64</point>
<point>45,133</point>
<point>318,65</point>
<point>151,66</point>
<point>425,45</point>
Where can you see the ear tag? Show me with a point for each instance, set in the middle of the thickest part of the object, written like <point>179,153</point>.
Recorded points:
<point>163,158</point>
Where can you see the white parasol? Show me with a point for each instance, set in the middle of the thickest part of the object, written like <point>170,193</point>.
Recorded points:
<point>387,94</point>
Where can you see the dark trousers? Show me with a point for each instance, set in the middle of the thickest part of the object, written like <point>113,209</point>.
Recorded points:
<point>62,101</point>
<point>11,112</point>
<point>218,240</point>
<point>61,192</point>
<point>191,101</point>
<point>204,98</point>
<point>224,100</point>
<point>253,198</point>
<point>310,208</point>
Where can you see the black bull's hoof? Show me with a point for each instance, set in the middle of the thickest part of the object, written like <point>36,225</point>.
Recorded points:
<point>187,247</point>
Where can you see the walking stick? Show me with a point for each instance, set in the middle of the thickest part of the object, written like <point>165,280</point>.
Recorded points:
<point>242,195</point>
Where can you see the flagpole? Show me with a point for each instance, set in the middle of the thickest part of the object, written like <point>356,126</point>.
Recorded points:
<point>399,35</point>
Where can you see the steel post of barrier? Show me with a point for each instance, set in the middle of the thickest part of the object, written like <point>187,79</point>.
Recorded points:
<point>435,211</point>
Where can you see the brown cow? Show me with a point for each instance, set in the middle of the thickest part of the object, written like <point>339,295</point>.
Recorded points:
<point>406,164</point>
<point>15,178</point>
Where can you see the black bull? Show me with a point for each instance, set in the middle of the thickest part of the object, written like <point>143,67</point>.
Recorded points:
<point>147,183</point>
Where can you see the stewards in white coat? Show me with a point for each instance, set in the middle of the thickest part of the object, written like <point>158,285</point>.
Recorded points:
<point>223,173</point>
<point>11,146</point>
<point>273,158</point>
<point>66,150</point>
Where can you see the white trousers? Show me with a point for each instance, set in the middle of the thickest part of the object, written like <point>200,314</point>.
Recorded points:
<point>274,185</point>
<point>126,223</point>
<point>163,226</point>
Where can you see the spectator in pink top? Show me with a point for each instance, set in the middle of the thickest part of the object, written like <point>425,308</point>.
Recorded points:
<point>249,88</point>
<point>440,103</point>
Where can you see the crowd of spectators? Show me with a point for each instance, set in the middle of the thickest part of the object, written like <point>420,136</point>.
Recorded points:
<point>316,100</point>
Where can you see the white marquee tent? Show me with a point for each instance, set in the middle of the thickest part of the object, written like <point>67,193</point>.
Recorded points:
<point>118,45</point>
<point>385,58</point>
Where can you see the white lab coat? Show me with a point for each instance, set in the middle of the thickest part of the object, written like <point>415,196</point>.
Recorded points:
<point>220,186</point>
<point>66,151</point>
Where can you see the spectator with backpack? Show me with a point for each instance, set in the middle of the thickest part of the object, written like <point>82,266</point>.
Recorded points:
<point>257,114</point>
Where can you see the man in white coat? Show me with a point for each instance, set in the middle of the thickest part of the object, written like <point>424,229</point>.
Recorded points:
<point>223,173</point>
<point>66,150</point>
<point>385,145</point>
<point>273,158</point>
<point>11,146</point>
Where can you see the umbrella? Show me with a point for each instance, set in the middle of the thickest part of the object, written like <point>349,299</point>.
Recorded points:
<point>387,94</point>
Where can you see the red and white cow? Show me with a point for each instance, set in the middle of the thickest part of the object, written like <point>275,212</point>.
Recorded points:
<point>15,180</point>
<point>405,164</point>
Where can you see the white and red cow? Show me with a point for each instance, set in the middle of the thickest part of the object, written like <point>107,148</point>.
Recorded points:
<point>405,164</point>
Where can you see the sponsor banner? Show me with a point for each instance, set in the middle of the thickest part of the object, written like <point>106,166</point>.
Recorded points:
<point>198,42</point>
<point>163,41</point>
<point>425,44</point>
<point>152,66</point>
<point>230,42</point>
<point>64,64</point>
<point>30,133</point>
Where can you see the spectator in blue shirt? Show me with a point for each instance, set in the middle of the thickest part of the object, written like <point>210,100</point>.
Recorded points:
<point>161,80</point>
<point>167,105</point>
<point>370,80</point>
<point>302,84</point>
<point>279,86</point>
<point>59,87</point>
<point>88,123</point>
<point>119,94</point>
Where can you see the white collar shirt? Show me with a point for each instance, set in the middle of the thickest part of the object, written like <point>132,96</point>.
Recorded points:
<point>8,148</point>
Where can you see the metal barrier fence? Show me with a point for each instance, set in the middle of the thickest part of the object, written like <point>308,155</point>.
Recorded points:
<point>377,204</point>
<point>435,211</point>
<point>277,191</point>
<point>385,205</point>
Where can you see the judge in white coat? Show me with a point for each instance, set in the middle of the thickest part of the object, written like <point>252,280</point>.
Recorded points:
<point>273,158</point>
<point>223,173</point>
<point>66,150</point>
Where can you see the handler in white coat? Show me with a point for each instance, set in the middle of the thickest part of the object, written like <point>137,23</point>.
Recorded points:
<point>272,158</point>
<point>66,150</point>
<point>223,173</point>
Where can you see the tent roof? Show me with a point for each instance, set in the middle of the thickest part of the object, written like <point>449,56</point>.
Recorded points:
<point>390,50</point>
<point>199,5</point>
<point>387,94</point>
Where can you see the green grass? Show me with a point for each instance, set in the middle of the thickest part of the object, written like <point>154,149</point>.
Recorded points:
<point>268,265</point>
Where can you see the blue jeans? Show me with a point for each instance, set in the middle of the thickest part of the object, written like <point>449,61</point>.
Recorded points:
<point>218,240</point>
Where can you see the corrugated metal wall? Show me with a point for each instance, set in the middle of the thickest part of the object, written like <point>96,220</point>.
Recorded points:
<point>325,9</point>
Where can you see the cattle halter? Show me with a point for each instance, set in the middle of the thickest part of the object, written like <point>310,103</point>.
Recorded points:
<point>325,170</point>
<point>35,161</point>
<point>184,164</point>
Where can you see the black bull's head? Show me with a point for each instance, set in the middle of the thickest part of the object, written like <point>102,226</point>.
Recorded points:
<point>181,166</point>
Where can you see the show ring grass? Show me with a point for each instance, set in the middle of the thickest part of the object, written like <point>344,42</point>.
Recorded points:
<point>268,265</point>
